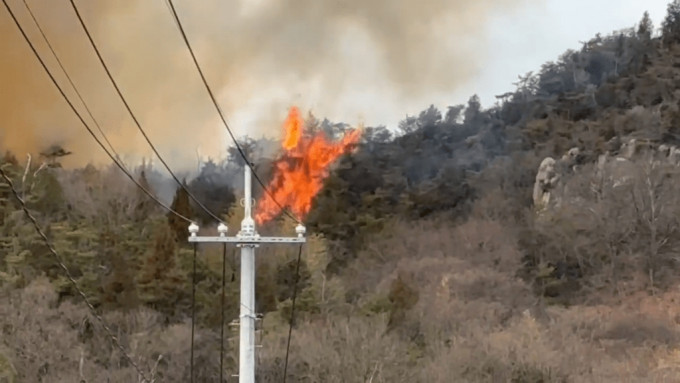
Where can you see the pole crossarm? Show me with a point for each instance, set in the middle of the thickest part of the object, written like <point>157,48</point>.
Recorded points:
<point>247,240</point>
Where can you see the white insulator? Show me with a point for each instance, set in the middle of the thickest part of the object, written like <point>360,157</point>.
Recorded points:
<point>300,230</point>
<point>193,229</point>
<point>222,229</point>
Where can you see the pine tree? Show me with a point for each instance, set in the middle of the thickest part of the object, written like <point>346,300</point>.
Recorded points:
<point>23,254</point>
<point>213,189</point>
<point>671,24</point>
<point>76,243</point>
<point>119,289</point>
<point>144,205</point>
<point>161,282</point>
<point>181,205</point>
<point>645,28</point>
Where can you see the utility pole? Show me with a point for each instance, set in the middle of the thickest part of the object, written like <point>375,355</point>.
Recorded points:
<point>247,239</point>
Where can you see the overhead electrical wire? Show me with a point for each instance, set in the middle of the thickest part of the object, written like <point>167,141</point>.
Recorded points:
<point>250,165</point>
<point>82,120</point>
<point>219,111</point>
<point>80,97</point>
<point>292,313</point>
<point>134,118</point>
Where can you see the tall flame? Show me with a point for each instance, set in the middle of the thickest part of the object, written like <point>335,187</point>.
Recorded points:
<point>299,173</point>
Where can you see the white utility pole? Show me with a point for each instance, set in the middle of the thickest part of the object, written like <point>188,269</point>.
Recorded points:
<point>247,239</point>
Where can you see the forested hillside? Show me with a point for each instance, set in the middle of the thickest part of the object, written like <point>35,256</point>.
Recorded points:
<point>427,261</point>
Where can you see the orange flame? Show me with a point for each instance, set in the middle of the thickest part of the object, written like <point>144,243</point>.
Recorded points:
<point>298,175</point>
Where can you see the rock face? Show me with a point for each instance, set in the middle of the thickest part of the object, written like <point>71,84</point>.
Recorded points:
<point>570,159</point>
<point>615,170</point>
<point>671,153</point>
<point>547,180</point>
<point>549,176</point>
<point>618,170</point>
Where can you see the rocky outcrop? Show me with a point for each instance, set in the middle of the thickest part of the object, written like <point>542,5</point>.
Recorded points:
<point>547,180</point>
<point>670,153</point>
<point>615,168</point>
<point>549,177</point>
<point>618,170</point>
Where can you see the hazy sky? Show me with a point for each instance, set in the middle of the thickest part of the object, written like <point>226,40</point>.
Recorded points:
<point>536,33</point>
<point>355,61</point>
<point>514,42</point>
<point>521,40</point>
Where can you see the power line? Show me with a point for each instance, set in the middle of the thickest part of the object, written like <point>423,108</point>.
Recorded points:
<point>249,164</point>
<point>292,313</point>
<point>63,94</point>
<point>40,232</point>
<point>134,118</point>
<point>219,111</point>
<point>89,112</point>
<point>49,45</point>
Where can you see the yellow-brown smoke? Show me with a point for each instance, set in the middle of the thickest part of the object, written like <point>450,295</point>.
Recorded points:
<point>259,56</point>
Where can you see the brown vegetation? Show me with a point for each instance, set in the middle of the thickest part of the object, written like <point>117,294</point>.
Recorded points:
<point>427,263</point>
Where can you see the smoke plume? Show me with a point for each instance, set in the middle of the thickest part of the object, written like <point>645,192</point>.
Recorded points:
<point>345,59</point>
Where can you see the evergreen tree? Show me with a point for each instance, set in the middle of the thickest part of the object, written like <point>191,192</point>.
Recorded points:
<point>671,24</point>
<point>646,27</point>
<point>248,146</point>
<point>473,111</point>
<point>44,193</point>
<point>16,235</point>
<point>23,254</point>
<point>76,244</point>
<point>144,205</point>
<point>118,289</point>
<point>161,281</point>
<point>213,189</point>
<point>181,205</point>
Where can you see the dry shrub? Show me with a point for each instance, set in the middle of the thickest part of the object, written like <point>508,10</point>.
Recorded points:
<point>623,342</point>
<point>569,346</point>
<point>476,321</point>
<point>161,350</point>
<point>357,349</point>
<point>517,353</point>
<point>477,242</point>
<point>466,316</point>
<point>640,330</point>
<point>42,337</point>
<point>99,194</point>
<point>50,341</point>
<point>611,233</point>
<point>505,188</point>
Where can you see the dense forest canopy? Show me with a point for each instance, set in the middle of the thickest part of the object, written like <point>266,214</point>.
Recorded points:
<point>427,258</point>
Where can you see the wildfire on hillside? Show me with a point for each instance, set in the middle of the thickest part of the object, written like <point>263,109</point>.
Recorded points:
<point>299,173</point>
